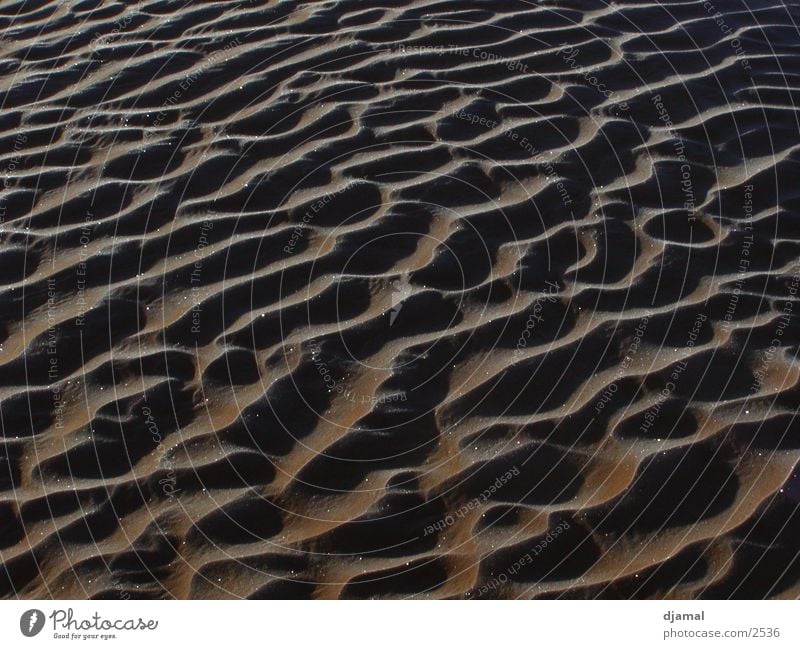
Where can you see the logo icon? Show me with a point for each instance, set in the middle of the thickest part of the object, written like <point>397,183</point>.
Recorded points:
<point>31,622</point>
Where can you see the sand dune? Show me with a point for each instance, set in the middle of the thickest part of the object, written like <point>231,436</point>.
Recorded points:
<point>394,299</point>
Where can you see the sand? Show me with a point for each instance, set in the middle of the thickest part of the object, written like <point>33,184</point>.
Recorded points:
<point>399,299</point>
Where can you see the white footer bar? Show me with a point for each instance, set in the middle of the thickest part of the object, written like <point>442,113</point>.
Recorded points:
<point>401,624</point>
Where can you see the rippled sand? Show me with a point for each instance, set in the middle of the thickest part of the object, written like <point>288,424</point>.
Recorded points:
<point>399,299</point>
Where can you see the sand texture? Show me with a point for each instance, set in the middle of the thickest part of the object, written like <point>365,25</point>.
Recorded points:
<point>399,299</point>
